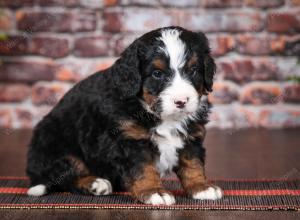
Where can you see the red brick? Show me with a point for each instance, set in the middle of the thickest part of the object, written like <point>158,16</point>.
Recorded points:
<point>283,21</point>
<point>16,3</point>
<point>48,93</point>
<point>6,119</point>
<point>49,46</point>
<point>292,93</point>
<point>232,21</point>
<point>138,19</point>
<point>6,20</point>
<point>109,3</point>
<point>145,20</point>
<point>70,71</point>
<point>25,44</point>
<point>294,2</point>
<point>14,45</point>
<point>92,46</point>
<point>68,3</point>
<point>75,69</point>
<point>221,3</point>
<point>260,93</point>
<point>260,45</point>
<point>249,44</point>
<point>112,21</point>
<point>264,3</point>
<point>278,44</point>
<point>243,70</point>
<point>223,93</point>
<point>221,44</point>
<point>26,71</point>
<point>72,3</point>
<point>139,2</point>
<point>284,117</point>
<point>66,74</point>
<point>69,21</point>
<point>78,69</point>
<point>24,117</point>
<point>14,92</point>
<point>102,65</point>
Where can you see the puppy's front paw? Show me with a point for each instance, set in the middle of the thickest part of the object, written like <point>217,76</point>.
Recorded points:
<point>101,187</point>
<point>210,193</point>
<point>158,197</point>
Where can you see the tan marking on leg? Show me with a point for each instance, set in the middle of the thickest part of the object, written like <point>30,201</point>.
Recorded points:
<point>78,165</point>
<point>191,174</point>
<point>147,184</point>
<point>133,131</point>
<point>86,182</point>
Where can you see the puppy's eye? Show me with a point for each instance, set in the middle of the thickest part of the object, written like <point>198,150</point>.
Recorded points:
<point>157,74</point>
<point>194,71</point>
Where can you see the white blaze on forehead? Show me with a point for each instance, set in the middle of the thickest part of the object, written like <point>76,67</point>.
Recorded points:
<point>179,88</point>
<point>174,47</point>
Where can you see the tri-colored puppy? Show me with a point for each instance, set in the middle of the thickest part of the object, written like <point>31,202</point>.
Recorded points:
<point>126,126</point>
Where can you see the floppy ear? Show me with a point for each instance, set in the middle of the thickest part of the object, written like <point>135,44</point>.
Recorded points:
<point>209,72</point>
<point>126,73</point>
<point>209,63</point>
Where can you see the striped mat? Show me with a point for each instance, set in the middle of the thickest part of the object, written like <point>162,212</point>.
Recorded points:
<point>238,195</point>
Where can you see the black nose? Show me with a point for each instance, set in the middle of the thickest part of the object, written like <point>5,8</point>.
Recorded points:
<point>180,104</point>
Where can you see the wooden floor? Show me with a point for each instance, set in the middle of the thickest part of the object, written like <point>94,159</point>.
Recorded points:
<point>253,153</point>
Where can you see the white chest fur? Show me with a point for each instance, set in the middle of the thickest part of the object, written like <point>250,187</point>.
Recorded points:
<point>168,142</point>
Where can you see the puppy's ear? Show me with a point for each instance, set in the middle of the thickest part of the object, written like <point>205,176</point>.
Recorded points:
<point>126,73</point>
<point>209,63</point>
<point>209,72</point>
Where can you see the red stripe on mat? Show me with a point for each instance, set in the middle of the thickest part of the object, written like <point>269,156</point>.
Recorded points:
<point>273,192</point>
<point>175,179</point>
<point>151,206</point>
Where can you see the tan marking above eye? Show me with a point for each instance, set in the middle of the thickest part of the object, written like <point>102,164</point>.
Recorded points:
<point>192,61</point>
<point>159,64</point>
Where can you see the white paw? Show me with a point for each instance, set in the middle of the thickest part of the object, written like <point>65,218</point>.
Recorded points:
<point>101,187</point>
<point>38,190</point>
<point>164,199</point>
<point>211,193</point>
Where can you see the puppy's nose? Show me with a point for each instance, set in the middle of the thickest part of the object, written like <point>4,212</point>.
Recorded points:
<point>181,103</point>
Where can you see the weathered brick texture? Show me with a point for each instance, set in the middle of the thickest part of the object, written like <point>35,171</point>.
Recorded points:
<point>92,46</point>
<point>14,92</point>
<point>65,21</point>
<point>48,45</point>
<point>48,93</point>
<point>6,20</point>
<point>26,71</point>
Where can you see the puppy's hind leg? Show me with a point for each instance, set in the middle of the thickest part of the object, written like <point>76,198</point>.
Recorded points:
<point>58,175</point>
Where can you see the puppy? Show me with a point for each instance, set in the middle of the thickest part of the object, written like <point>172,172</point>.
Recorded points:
<point>125,127</point>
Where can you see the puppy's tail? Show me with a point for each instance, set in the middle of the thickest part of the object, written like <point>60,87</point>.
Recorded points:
<point>37,190</point>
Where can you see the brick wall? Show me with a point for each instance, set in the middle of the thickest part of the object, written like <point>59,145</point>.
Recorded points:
<point>47,45</point>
